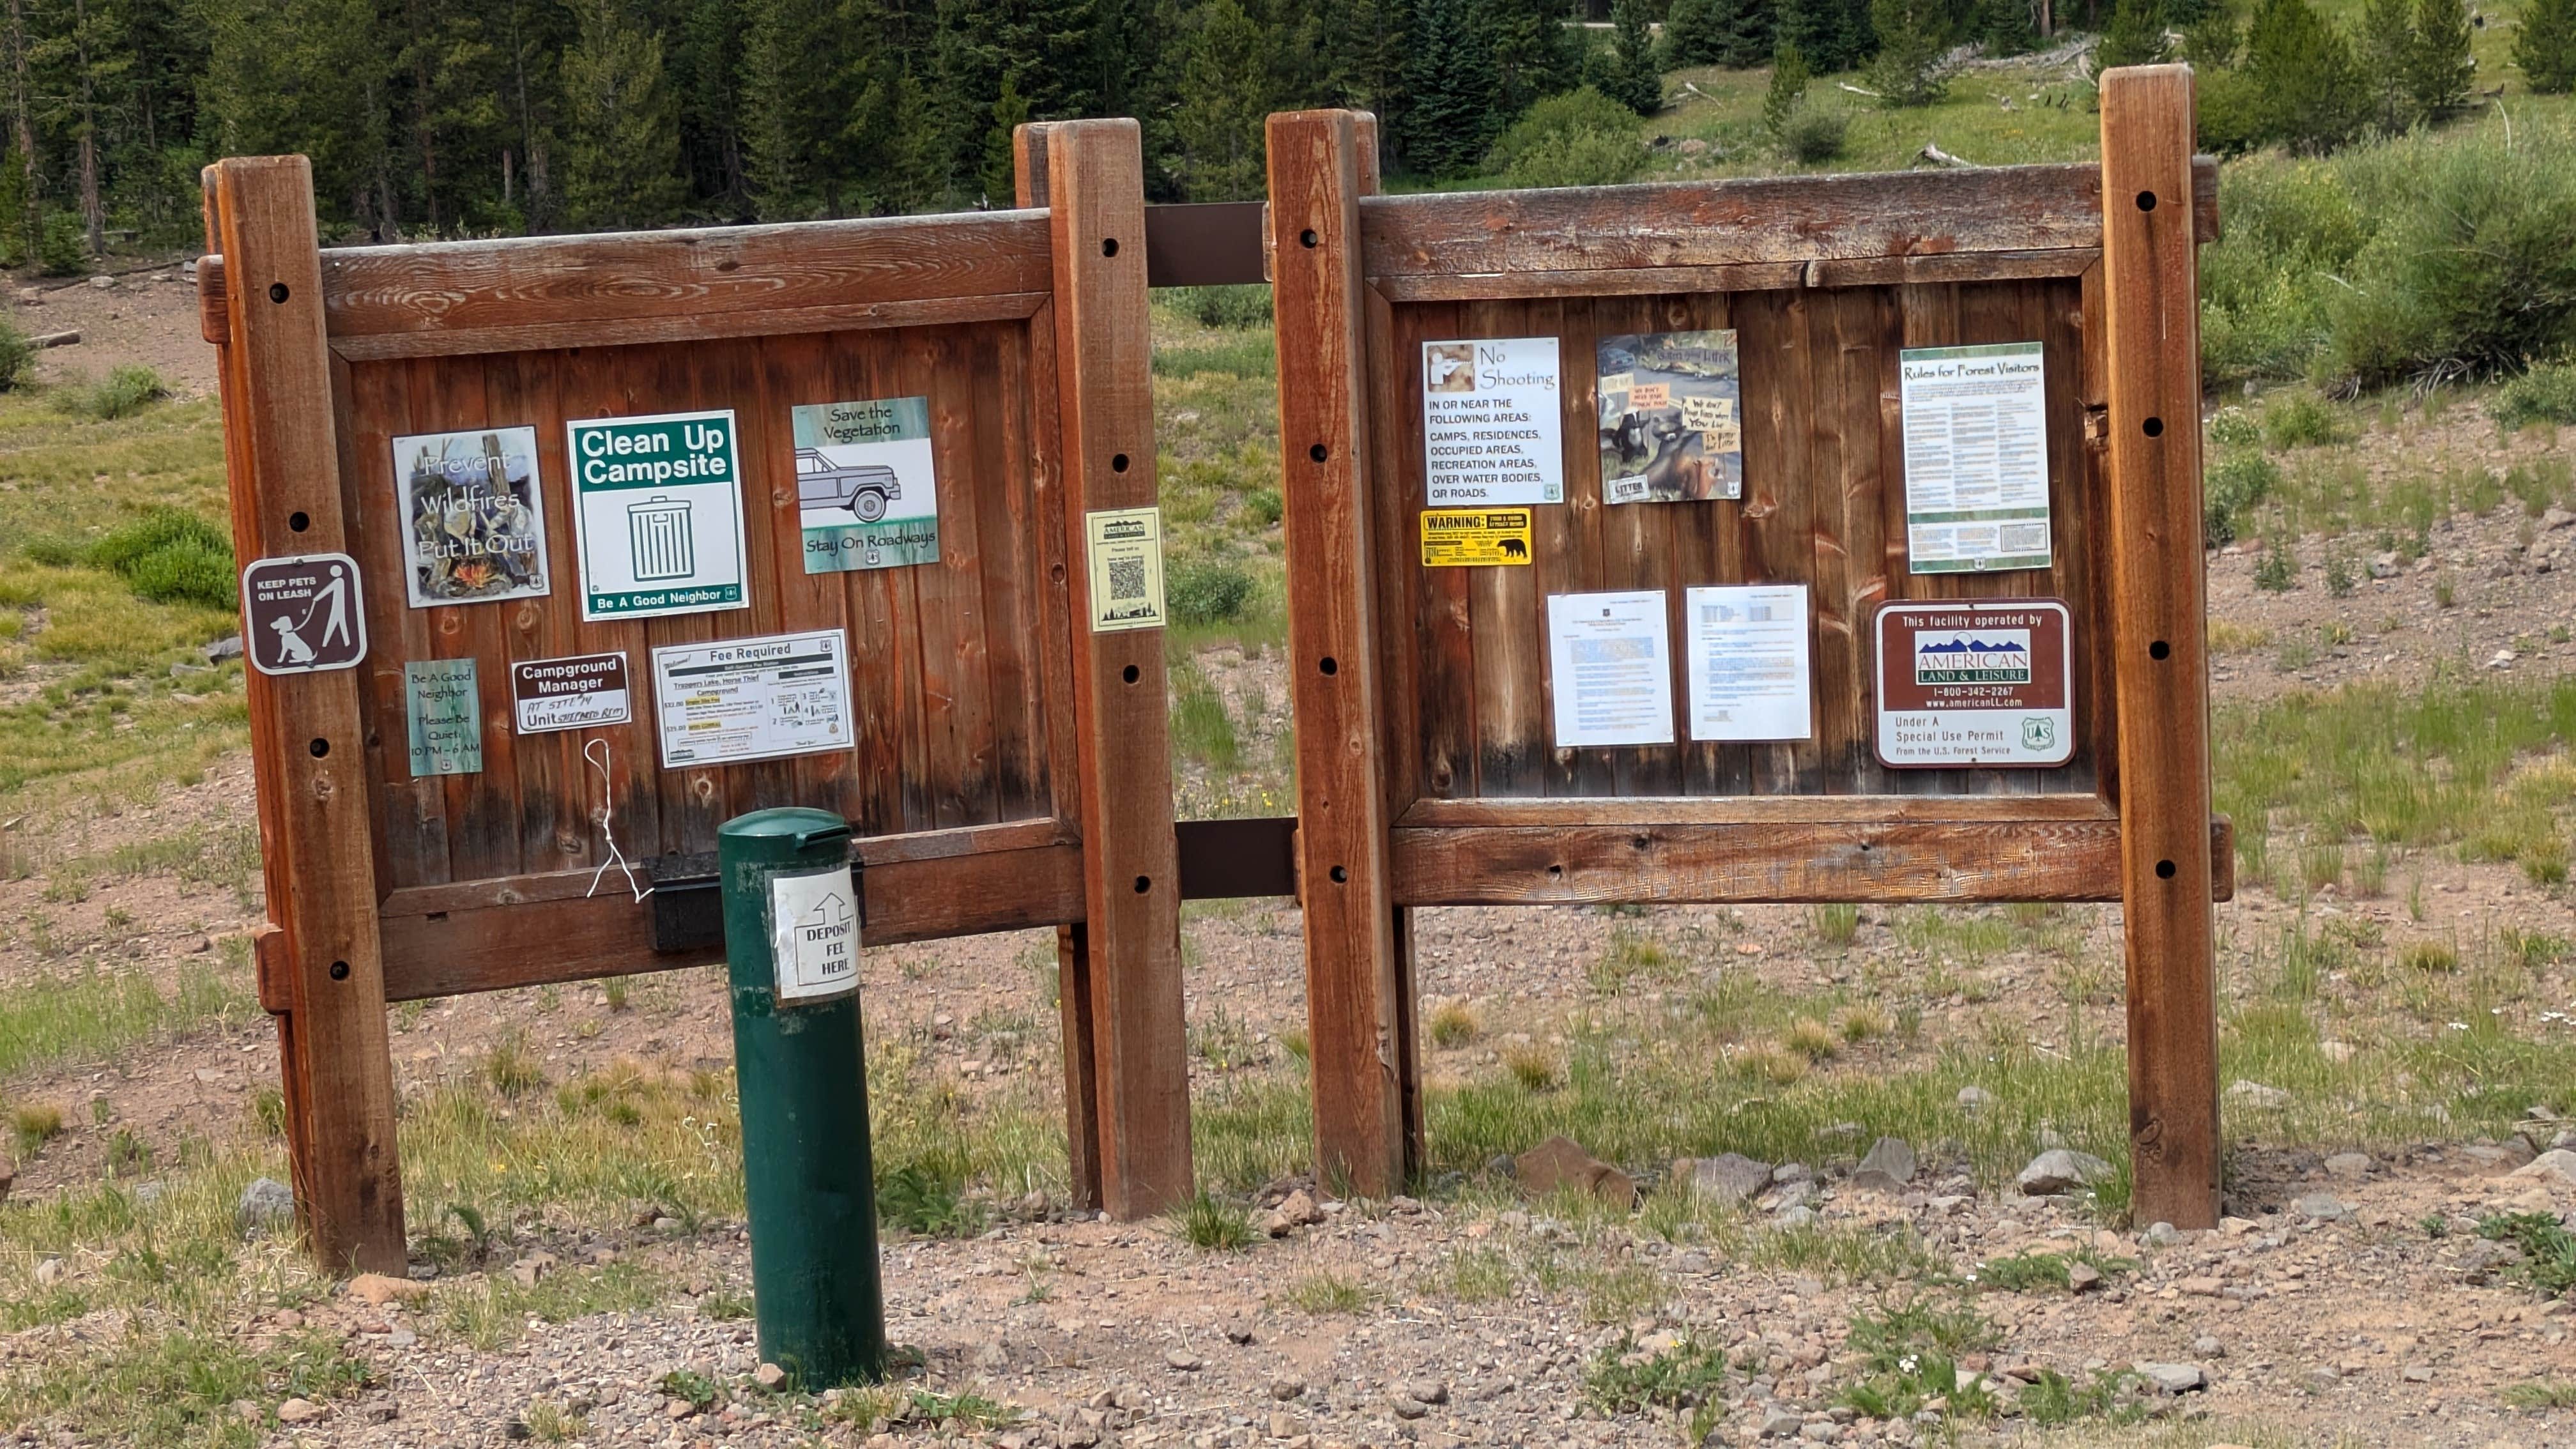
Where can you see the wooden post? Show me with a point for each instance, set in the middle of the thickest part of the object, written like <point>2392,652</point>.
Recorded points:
<point>307,742</point>
<point>1130,943</point>
<point>2160,661</point>
<point>1321,162</point>
<point>1072,943</point>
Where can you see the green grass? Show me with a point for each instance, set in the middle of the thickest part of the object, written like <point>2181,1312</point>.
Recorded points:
<point>96,1012</point>
<point>1215,1224</point>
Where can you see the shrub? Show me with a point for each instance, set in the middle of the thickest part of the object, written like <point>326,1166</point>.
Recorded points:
<point>1243,306</point>
<point>2135,36</point>
<point>1208,591</point>
<point>1581,138</point>
<point>1264,506</point>
<point>2473,269</point>
<point>171,555</point>
<point>1814,134</point>
<point>130,388</point>
<point>2546,394</point>
<point>17,355</point>
<point>2303,420</point>
<point>2277,571</point>
<point>2292,228</point>
<point>2234,489</point>
<point>62,246</point>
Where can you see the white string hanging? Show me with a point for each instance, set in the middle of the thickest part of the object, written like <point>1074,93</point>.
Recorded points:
<point>605,817</point>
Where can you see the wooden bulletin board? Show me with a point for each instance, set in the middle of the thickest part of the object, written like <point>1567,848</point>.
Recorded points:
<point>1428,770</point>
<point>1009,765</point>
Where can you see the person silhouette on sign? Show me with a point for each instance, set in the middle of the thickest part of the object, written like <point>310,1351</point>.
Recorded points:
<point>334,597</point>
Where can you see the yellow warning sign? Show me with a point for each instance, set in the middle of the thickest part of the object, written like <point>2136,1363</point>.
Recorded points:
<point>1471,537</point>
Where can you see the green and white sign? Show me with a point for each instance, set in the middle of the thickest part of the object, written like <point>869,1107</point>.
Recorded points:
<point>657,511</point>
<point>445,706</point>
<point>865,493</point>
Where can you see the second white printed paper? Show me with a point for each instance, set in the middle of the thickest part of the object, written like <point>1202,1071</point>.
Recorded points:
<point>1749,674</point>
<point>1610,658</point>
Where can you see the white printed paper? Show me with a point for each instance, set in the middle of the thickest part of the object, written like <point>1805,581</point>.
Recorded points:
<point>1492,421</point>
<point>1976,458</point>
<point>1610,662</point>
<point>1749,672</point>
<point>815,945</point>
<point>753,699</point>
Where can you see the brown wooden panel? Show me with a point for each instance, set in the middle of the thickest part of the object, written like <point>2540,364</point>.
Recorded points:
<point>2152,287</point>
<point>952,704</point>
<point>1765,861</point>
<point>1823,505</point>
<point>687,278</point>
<point>1800,219</point>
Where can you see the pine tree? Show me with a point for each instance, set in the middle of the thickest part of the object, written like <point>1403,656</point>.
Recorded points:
<point>303,76</point>
<point>2386,50</point>
<point>2439,66</point>
<point>1451,115</point>
<point>1631,77</point>
<point>1824,31</point>
<point>623,128</point>
<point>1789,78</point>
<point>1694,33</point>
<point>2136,36</point>
<point>2303,82</point>
<point>1912,35</point>
<point>1535,53</point>
<point>1225,100</point>
<point>2544,47</point>
<point>2006,27</point>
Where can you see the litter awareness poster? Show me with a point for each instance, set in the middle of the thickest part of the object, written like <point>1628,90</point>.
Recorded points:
<point>1672,426</point>
<point>1611,667</point>
<point>1982,683</point>
<point>473,516</point>
<point>446,712</point>
<point>1749,675</point>
<point>865,494</point>
<point>1976,458</point>
<point>753,699</point>
<point>1493,421</point>
<point>657,511</point>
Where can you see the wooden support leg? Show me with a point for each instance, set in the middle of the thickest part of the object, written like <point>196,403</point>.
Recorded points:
<point>1081,1064</point>
<point>1357,982</point>
<point>1091,178</point>
<point>307,741</point>
<point>2160,661</point>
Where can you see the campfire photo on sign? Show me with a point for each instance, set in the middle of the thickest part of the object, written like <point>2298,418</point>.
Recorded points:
<point>473,514</point>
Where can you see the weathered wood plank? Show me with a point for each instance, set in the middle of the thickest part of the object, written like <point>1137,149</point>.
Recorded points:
<point>1799,219</point>
<point>688,277</point>
<point>1766,861</point>
<point>309,749</point>
<point>454,948</point>
<point>1757,810</point>
<point>1096,208</point>
<point>2151,280</point>
<point>1354,970</point>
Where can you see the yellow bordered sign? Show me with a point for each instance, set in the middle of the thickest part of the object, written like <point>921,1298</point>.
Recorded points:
<point>1474,537</point>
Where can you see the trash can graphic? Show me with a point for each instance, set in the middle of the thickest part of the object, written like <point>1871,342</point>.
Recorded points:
<point>664,538</point>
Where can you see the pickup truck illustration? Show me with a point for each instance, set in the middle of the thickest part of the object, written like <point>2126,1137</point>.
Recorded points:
<point>864,489</point>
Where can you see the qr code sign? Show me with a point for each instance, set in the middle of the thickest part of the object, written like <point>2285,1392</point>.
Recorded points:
<point>1126,578</point>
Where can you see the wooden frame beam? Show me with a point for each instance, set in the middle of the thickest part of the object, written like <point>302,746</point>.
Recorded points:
<point>2151,277</point>
<point>308,745</point>
<point>1130,946</point>
<point>1791,219</point>
<point>1358,978</point>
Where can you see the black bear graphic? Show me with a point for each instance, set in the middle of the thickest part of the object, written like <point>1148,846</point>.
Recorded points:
<point>1514,548</point>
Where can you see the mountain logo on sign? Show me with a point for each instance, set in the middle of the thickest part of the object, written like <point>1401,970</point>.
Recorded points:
<point>1993,657</point>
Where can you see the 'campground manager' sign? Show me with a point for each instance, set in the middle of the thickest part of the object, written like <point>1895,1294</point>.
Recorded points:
<point>657,507</point>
